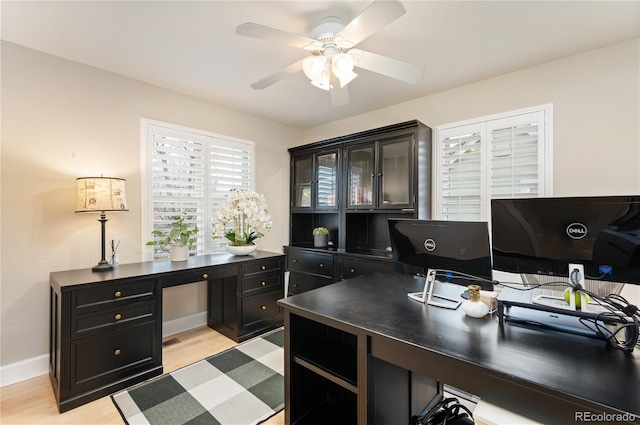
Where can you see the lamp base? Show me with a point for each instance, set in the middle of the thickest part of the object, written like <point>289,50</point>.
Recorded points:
<point>102,267</point>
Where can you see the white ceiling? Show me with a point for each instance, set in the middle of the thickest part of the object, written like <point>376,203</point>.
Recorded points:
<point>192,48</point>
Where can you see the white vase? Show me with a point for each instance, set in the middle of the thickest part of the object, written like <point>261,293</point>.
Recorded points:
<point>179,252</point>
<point>473,307</point>
<point>241,250</point>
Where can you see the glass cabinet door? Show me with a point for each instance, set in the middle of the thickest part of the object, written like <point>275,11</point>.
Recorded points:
<point>302,179</point>
<point>395,181</point>
<point>360,174</point>
<point>327,180</point>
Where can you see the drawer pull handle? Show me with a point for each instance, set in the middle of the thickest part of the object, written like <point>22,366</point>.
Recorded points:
<point>263,283</point>
<point>295,261</point>
<point>205,276</point>
<point>263,268</point>
<point>117,352</point>
<point>264,307</point>
<point>118,294</point>
<point>352,270</point>
<point>321,265</point>
<point>118,316</point>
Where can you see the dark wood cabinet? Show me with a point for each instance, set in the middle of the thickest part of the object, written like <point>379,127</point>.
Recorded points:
<point>106,328</point>
<point>309,269</point>
<point>355,183</point>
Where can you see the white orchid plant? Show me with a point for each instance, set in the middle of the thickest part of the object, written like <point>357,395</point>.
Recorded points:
<point>241,217</point>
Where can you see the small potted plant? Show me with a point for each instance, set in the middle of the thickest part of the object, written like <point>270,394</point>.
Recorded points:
<point>180,237</point>
<point>320,237</point>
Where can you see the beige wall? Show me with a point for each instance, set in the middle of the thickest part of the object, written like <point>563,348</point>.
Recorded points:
<point>62,120</point>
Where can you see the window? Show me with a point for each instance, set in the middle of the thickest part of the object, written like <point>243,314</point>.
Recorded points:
<point>190,171</point>
<point>503,156</point>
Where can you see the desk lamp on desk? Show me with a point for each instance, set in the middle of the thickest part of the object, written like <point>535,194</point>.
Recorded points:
<point>572,239</point>
<point>449,251</point>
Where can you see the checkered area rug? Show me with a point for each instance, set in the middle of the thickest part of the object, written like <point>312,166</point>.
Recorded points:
<point>240,386</point>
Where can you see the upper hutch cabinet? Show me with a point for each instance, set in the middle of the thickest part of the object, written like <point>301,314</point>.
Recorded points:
<point>380,174</point>
<point>352,185</point>
<point>315,181</point>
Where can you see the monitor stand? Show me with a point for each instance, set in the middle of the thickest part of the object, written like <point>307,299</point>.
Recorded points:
<point>428,296</point>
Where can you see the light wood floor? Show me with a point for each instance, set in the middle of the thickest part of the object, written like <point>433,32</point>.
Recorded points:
<point>32,401</point>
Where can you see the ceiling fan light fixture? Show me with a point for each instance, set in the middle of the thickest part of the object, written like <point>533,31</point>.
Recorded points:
<point>342,66</point>
<point>313,66</point>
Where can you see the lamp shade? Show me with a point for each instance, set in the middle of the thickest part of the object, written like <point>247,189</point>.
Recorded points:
<point>96,194</point>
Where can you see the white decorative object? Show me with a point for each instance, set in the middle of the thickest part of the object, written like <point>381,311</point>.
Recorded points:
<point>179,252</point>
<point>240,217</point>
<point>241,250</point>
<point>473,307</point>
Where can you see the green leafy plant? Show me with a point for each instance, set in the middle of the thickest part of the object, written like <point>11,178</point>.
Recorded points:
<point>180,233</point>
<point>320,231</point>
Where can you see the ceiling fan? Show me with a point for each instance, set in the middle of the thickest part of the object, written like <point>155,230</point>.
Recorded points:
<point>332,53</point>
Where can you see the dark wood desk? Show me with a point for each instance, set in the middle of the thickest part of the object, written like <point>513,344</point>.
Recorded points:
<point>106,327</point>
<point>368,321</point>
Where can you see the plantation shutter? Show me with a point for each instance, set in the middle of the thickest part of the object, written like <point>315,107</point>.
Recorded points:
<point>462,173</point>
<point>515,156</point>
<point>190,171</point>
<point>506,156</point>
<point>230,169</point>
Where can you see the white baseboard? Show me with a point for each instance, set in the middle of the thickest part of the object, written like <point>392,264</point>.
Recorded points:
<point>23,370</point>
<point>182,324</point>
<point>39,365</point>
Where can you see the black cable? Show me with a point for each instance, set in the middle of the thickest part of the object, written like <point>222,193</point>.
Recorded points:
<point>621,313</point>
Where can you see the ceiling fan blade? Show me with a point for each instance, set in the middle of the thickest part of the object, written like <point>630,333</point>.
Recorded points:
<point>391,67</point>
<point>375,16</point>
<point>339,95</point>
<point>251,29</point>
<point>277,76</point>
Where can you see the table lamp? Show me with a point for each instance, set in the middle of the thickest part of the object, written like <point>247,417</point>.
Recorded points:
<point>101,194</point>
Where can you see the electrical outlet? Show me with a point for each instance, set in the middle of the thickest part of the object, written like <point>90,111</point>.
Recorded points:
<point>576,277</point>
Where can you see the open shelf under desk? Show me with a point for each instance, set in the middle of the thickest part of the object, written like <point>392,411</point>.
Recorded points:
<point>327,412</point>
<point>327,374</point>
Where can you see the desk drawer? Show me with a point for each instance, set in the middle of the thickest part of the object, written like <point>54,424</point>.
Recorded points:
<point>317,263</point>
<point>182,278</point>
<point>260,308</point>
<point>262,266</point>
<point>302,282</point>
<point>261,282</point>
<point>84,300</point>
<point>112,318</point>
<point>352,267</point>
<point>101,360</point>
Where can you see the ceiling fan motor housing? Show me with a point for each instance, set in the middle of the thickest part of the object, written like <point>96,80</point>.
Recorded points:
<point>327,28</point>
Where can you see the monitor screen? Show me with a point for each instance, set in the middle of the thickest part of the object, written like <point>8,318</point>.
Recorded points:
<point>545,235</point>
<point>447,246</point>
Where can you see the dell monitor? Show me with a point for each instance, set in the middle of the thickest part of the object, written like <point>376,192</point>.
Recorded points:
<point>457,251</point>
<point>545,236</point>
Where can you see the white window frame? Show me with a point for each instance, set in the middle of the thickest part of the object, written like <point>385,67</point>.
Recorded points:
<point>207,245</point>
<point>484,126</point>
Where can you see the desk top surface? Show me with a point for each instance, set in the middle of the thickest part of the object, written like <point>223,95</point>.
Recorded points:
<point>126,271</point>
<point>576,366</point>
